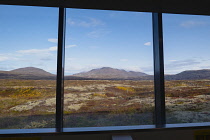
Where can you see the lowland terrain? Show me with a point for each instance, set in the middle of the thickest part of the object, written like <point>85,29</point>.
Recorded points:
<point>93,102</point>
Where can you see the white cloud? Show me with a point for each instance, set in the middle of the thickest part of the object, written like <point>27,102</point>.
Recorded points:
<point>71,22</point>
<point>31,51</point>
<point>76,68</point>
<point>172,60</point>
<point>85,22</point>
<point>177,66</point>
<point>190,23</point>
<point>71,46</point>
<point>55,48</point>
<point>147,44</point>
<point>3,58</point>
<point>42,51</point>
<point>8,56</point>
<point>70,59</point>
<point>38,51</point>
<point>124,60</point>
<point>133,68</point>
<point>98,33</point>
<point>53,40</point>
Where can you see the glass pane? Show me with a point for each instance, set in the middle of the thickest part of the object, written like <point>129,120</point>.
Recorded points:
<point>187,69</point>
<point>27,66</point>
<point>108,69</point>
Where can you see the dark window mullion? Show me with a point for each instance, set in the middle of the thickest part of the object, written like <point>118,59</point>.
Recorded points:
<point>160,117</point>
<point>60,70</point>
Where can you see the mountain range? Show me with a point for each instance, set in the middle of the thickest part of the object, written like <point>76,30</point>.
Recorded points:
<point>32,73</point>
<point>110,73</point>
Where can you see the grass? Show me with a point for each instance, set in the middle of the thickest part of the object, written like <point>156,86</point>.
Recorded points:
<point>104,102</point>
<point>99,95</point>
<point>127,89</point>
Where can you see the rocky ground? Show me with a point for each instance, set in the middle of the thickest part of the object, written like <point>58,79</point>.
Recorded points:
<point>94,100</point>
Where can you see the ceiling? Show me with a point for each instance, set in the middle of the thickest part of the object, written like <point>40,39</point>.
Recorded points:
<point>198,7</point>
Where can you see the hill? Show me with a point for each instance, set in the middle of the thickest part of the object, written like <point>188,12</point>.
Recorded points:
<point>30,73</point>
<point>110,73</point>
<point>190,75</point>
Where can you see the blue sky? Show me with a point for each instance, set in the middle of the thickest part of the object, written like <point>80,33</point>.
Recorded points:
<point>97,38</point>
<point>186,42</point>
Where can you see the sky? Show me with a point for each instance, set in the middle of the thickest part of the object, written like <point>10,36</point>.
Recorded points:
<point>98,38</point>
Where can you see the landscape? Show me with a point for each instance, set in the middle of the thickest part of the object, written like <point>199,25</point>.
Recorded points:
<point>100,97</point>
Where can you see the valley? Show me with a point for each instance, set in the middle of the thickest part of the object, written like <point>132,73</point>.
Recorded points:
<point>90,101</point>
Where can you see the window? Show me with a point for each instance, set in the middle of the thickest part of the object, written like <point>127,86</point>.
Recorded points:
<point>108,68</point>
<point>186,46</point>
<point>28,67</point>
<point>106,82</point>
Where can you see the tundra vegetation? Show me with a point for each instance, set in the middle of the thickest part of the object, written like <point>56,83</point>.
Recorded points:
<point>95,103</point>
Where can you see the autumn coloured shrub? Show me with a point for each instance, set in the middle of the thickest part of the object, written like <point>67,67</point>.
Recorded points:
<point>127,89</point>
<point>26,92</point>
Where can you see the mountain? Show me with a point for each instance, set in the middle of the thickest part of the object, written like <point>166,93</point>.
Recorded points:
<point>31,71</point>
<point>190,75</point>
<point>110,73</point>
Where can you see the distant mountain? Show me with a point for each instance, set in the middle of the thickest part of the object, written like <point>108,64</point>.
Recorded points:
<point>190,75</point>
<point>110,73</point>
<point>31,71</point>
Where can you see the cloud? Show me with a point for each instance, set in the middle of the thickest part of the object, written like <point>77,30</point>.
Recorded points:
<point>72,69</point>
<point>53,40</point>
<point>9,56</point>
<point>42,51</point>
<point>71,46</point>
<point>86,22</point>
<point>3,58</point>
<point>148,69</point>
<point>145,69</point>
<point>190,23</point>
<point>181,65</point>
<point>7,68</point>
<point>46,59</point>
<point>70,59</point>
<point>124,60</point>
<point>147,44</point>
<point>172,60</point>
<point>38,51</point>
<point>31,51</point>
<point>55,48</point>
<point>133,68</point>
<point>98,33</point>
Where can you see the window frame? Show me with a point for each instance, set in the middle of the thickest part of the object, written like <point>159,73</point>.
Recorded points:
<point>160,115</point>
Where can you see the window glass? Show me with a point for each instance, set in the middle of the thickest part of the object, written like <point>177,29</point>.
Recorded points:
<point>108,68</point>
<point>187,68</point>
<point>28,44</point>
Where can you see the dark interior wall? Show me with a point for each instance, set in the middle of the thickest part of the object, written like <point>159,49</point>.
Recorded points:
<point>158,135</point>
<point>200,7</point>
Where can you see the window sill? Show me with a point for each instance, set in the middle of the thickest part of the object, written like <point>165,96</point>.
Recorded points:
<point>99,130</point>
